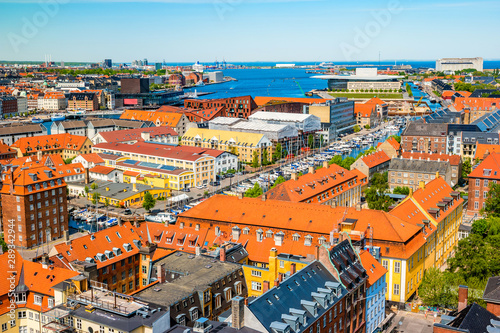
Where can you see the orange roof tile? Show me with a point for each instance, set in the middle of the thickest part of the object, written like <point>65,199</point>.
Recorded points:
<point>101,169</point>
<point>50,142</point>
<point>489,168</point>
<point>376,158</point>
<point>476,103</point>
<point>483,149</point>
<point>158,117</point>
<point>373,268</point>
<point>92,158</point>
<point>453,159</point>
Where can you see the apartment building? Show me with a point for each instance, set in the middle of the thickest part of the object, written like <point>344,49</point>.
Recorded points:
<point>483,150</point>
<point>390,146</point>
<point>52,101</point>
<point>480,180</point>
<point>12,133</point>
<point>409,172</point>
<point>238,107</point>
<point>242,144</point>
<point>85,101</point>
<point>67,145</point>
<point>471,140</point>
<point>6,153</point>
<point>198,160</point>
<point>454,160</point>
<point>425,137</point>
<point>330,185</point>
<point>34,204</point>
<point>161,134</point>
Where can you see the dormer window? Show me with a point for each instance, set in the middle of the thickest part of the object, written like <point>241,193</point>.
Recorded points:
<point>296,237</point>
<point>20,298</point>
<point>260,235</point>
<point>308,240</point>
<point>269,234</point>
<point>246,230</point>
<point>127,247</point>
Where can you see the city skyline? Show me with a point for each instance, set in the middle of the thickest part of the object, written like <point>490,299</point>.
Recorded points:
<point>244,31</point>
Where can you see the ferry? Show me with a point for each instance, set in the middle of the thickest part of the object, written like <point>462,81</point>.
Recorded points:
<point>77,112</point>
<point>57,117</point>
<point>36,120</point>
<point>326,64</point>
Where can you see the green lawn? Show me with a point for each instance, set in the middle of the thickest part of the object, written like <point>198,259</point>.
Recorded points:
<point>367,95</point>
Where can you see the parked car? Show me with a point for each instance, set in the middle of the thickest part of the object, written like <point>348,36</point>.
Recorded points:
<point>185,189</point>
<point>215,183</point>
<point>230,175</point>
<point>127,211</point>
<point>201,186</point>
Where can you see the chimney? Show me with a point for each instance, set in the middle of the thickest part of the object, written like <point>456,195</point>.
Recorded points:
<point>39,155</point>
<point>265,287</point>
<point>463,295</point>
<point>358,207</point>
<point>281,276</point>
<point>437,174</point>
<point>238,312</point>
<point>294,176</point>
<point>136,223</point>
<point>197,250</point>
<point>312,170</point>
<point>292,269</point>
<point>134,187</point>
<point>263,197</point>
<point>120,222</point>
<point>181,225</point>
<point>222,254</point>
<point>240,195</point>
<point>325,164</point>
<point>277,282</point>
<point>160,273</point>
<point>411,192</point>
<point>11,181</point>
<point>87,176</point>
<point>45,260</point>
<point>421,184</point>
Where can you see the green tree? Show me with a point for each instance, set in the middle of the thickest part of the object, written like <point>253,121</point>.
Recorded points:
<point>255,159</point>
<point>265,158</point>
<point>337,159</point>
<point>376,194</point>
<point>310,141</point>
<point>95,198</point>
<point>480,227</point>
<point>396,137</point>
<point>86,189</point>
<point>254,192</point>
<point>106,202</point>
<point>347,162</point>
<point>367,126</point>
<point>492,203</point>
<point>401,190</point>
<point>278,181</point>
<point>466,167</point>
<point>356,128</point>
<point>4,246</point>
<point>148,202</point>
<point>94,186</point>
<point>277,154</point>
<point>435,290</point>
<point>69,160</point>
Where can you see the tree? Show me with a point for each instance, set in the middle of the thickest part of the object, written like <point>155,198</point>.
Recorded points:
<point>5,247</point>
<point>278,181</point>
<point>376,194</point>
<point>337,159</point>
<point>254,192</point>
<point>255,159</point>
<point>401,190</point>
<point>310,141</point>
<point>356,128</point>
<point>69,160</point>
<point>367,126</point>
<point>466,167</point>
<point>480,227</point>
<point>492,203</point>
<point>265,159</point>
<point>95,198</point>
<point>434,290</point>
<point>233,150</point>
<point>347,162</point>
<point>148,202</point>
<point>86,189</point>
<point>277,153</point>
<point>94,186</point>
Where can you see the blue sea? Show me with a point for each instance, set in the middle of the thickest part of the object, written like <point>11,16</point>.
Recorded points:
<point>284,82</point>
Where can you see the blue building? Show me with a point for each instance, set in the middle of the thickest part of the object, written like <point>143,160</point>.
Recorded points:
<point>375,292</point>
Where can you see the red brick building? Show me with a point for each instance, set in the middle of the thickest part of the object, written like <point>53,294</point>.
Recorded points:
<point>34,204</point>
<point>281,106</point>
<point>8,105</point>
<point>425,138</point>
<point>480,179</point>
<point>85,101</point>
<point>237,107</point>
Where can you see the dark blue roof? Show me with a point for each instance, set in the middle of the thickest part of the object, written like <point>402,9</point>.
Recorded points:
<point>278,301</point>
<point>473,318</point>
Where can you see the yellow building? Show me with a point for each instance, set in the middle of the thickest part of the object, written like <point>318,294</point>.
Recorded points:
<point>437,210</point>
<point>263,277</point>
<point>123,194</point>
<point>242,144</point>
<point>188,166</point>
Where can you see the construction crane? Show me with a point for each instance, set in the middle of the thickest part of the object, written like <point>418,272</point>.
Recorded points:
<point>301,90</point>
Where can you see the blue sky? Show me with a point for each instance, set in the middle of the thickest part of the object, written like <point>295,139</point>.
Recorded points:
<point>247,30</point>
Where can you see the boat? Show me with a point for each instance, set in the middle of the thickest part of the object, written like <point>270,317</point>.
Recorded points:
<point>326,64</point>
<point>200,83</point>
<point>36,120</point>
<point>57,117</point>
<point>161,217</point>
<point>77,111</point>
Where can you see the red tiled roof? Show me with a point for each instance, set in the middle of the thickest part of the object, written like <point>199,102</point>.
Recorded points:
<point>136,134</point>
<point>489,168</point>
<point>92,158</point>
<point>50,142</point>
<point>101,169</point>
<point>164,118</point>
<point>483,149</point>
<point>373,268</point>
<point>476,103</point>
<point>453,159</point>
<point>376,158</point>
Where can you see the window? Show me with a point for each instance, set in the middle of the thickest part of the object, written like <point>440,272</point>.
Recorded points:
<point>4,327</point>
<point>37,299</point>
<point>78,323</point>
<point>256,273</point>
<point>385,263</point>
<point>218,301</point>
<point>144,269</point>
<point>477,182</point>
<point>256,286</point>
<point>51,303</point>
<point>21,298</point>
<point>397,267</point>
<point>21,314</point>
<point>101,329</point>
<point>396,289</point>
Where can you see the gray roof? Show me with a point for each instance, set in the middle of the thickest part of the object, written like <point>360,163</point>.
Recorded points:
<point>421,166</point>
<point>473,319</point>
<point>492,290</point>
<point>18,129</point>
<point>73,124</point>
<point>216,327</point>
<point>198,273</point>
<point>116,190</point>
<point>290,294</point>
<point>418,129</point>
